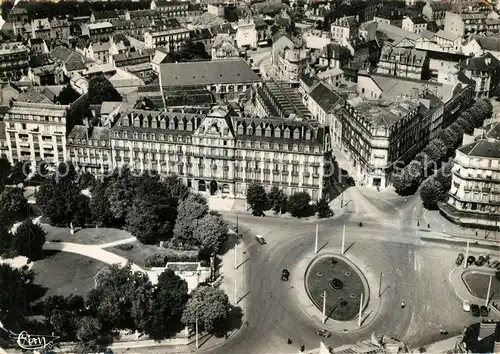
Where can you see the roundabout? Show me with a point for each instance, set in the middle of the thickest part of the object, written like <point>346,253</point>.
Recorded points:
<point>343,284</point>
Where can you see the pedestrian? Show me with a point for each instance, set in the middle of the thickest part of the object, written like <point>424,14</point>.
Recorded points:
<point>302,348</point>
<point>289,341</point>
<point>403,305</point>
<point>418,224</point>
<point>429,226</point>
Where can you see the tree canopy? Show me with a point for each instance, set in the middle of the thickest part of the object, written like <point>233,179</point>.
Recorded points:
<point>13,205</point>
<point>101,90</point>
<point>68,95</point>
<point>257,199</point>
<point>211,307</point>
<point>210,233</point>
<point>299,204</point>
<point>28,240</point>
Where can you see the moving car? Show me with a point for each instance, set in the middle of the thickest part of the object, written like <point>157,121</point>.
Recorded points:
<point>470,260</point>
<point>460,259</point>
<point>484,311</point>
<point>260,240</point>
<point>285,274</point>
<point>474,310</point>
<point>466,305</point>
<point>323,333</point>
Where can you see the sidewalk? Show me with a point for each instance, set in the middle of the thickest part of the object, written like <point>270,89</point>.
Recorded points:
<point>440,224</point>
<point>443,346</point>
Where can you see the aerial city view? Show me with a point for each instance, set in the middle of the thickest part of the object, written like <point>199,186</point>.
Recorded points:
<point>249,177</point>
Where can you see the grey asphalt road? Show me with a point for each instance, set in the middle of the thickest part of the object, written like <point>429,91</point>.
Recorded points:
<point>414,272</point>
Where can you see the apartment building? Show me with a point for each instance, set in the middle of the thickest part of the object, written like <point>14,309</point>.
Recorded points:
<point>465,24</point>
<point>100,31</point>
<point>36,132</point>
<point>377,134</point>
<point>414,24</point>
<point>403,62</point>
<point>13,61</point>
<point>224,47</point>
<point>291,63</point>
<point>216,151</point>
<point>484,71</point>
<point>436,10</point>
<point>228,79</point>
<point>474,197</point>
<point>40,28</point>
<point>89,148</point>
<point>171,39</point>
<point>345,29</point>
<point>170,8</point>
<point>246,34</point>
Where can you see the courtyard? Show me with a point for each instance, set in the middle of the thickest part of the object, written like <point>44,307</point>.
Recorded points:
<point>343,286</point>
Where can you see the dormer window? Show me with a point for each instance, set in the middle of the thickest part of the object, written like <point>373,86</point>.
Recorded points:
<point>144,137</point>
<point>137,122</point>
<point>296,133</point>
<point>153,137</point>
<point>136,135</point>
<point>268,132</point>
<point>171,126</point>
<point>124,134</point>
<point>308,135</point>
<point>258,131</point>
<point>240,130</point>
<point>84,142</point>
<point>249,130</point>
<point>70,141</point>
<point>287,133</point>
<point>225,131</point>
<point>277,133</point>
<point>189,126</point>
<point>181,125</point>
<point>163,125</point>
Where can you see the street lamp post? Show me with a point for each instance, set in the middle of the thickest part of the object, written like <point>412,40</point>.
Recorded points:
<point>316,242</point>
<point>237,226</point>
<point>466,254</point>
<point>360,310</point>
<point>343,239</point>
<point>380,285</point>
<point>196,326</point>
<point>235,256</point>
<point>324,306</point>
<point>488,294</point>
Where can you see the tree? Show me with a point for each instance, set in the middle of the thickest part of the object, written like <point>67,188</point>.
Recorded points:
<point>211,232</point>
<point>467,126</point>
<point>323,208</point>
<point>13,205</point>
<point>20,171</point>
<point>169,300</point>
<point>121,298</point>
<point>67,95</point>
<point>436,150</point>
<point>28,240</point>
<point>448,137</point>
<point>101,90</point>
<point>486,107</point>
<point>193,208</point>
<point>497,273</point>
<point>5,171</point>
<point>257,199</point>
<point>277,199</point>
<point>443,176</point>
<point>192,51</point>
<point>152,215</point>
<point>408,179</point>
<point>175,188</point>
<point>5,239</point>
<point>431,192</point>
<point>62,314</point>
<point>457,130</point>
<point>299,204</point>
<point>211,307</point>
<point>99,205</point>
<point>88,329</point>
<point>120,192</point>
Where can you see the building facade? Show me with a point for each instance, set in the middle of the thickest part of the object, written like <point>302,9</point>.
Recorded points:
<point>474,197</point>
<point>172,39</point>
<point>403,62</point>
<point>484,71</point>
<point>218,152</point>
<point>89,148</point>
<point>345,29</point>
<point>101,31</point>
<point>291,63</point>
<point>13,61</point>
<point>36,132</point>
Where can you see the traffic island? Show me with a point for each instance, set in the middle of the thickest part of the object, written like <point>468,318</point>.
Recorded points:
<point>477,282</point>
<point>343,285</point>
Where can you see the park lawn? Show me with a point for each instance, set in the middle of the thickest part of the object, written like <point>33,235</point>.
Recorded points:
<point>89,236</point>
<point>138,253</point>
<point>317,284</point>
<point>64,273</point>
<point>478,285</point>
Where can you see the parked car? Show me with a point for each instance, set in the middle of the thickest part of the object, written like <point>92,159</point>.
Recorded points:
<point>484,311</point>
<point>323,333</point>
<point>460,259</point>
<point>474,310</point>
<point>470,260</point>
<point>285,274</point>
<point>260,240</point>
<point>350,181</point>
<point>494,264</point>
<point>466,305</point>
<point>480,261</point>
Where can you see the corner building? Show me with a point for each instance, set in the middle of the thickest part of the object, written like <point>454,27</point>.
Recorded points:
<point>217,152</point>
